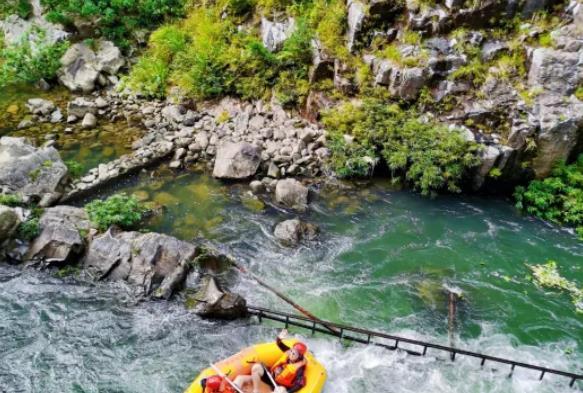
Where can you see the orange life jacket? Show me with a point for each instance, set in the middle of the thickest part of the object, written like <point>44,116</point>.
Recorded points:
<point>288,373</point>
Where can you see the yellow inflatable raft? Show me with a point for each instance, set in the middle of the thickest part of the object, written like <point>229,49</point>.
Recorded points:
<point>268,354</point>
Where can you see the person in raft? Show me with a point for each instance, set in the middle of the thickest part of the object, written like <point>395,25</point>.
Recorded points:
<point>288,372</point>
<point>216,384</point>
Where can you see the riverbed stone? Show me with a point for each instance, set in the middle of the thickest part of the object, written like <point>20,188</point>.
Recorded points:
<point>211,301</point>
<point>28,170</point>
<point>291,193</point>
<point>39,106</point>
<point>292,232</point>
<point>89,121</point>
<point>236,160</point>
<point>154,264</point>
<point>60,242</point>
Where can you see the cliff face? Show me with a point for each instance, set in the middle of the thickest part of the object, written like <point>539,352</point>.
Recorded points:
<point>517,84</point>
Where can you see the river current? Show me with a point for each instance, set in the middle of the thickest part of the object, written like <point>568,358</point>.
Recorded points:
<point>383,261</point>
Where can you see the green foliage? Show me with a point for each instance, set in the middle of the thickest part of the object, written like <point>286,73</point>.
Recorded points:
<point>579,93</point>
<point>10,200</point>
<point>558,198</point>
<point>28,229</point>
<point>476,71</point>
<point>207,56</point>
<point>547,276</point>
<point>116,19</point>
<point>21,8</point>
<point>118,209</point>
<point>328,19</point>
<point>392,52</point>
<point>545,39</point>
<point>30,61</point>
<point>75,169</point>
<point>429,156</point>
<point>351,159</point>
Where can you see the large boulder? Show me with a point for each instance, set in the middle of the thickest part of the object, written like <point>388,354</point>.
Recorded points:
<point>292,232</point>
<point>154,264</point>
<point>274,34</point>
<point>560,130</point>
<point>29,171</point>
<point>82,67</point>
<point>61,239</point>
<point>237,160</point>
<point>9,220</point>
<point>212,302</point>
<point>291,193</point>
<point>555,71</point>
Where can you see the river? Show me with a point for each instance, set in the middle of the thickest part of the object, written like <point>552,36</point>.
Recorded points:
<point>382,261</point>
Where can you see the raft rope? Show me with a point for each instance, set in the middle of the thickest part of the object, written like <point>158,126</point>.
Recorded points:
<point>366,337</point>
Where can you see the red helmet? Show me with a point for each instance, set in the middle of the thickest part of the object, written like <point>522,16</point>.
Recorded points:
<point>213,382</point>
<point>301,348</point>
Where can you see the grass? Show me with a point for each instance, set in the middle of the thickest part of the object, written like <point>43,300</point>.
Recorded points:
<point>579,93</point>
<point>11,200</point>
<point>75,169</point>
<point>21,8</point>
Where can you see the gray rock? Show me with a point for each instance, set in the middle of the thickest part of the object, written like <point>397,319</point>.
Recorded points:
<point>256,187</point>
<point>273,171</point>
<point>9,220</point>
<point>154,264</point>
<point>60,241</point>
<point>30,171</point>
<point>39,106</point>
<point>89,121</point>
<point>488,157</point>
<point>493,49</point>
<point>17,29</point>
<point>356,19</point>
<point>274,34</point>
<point>236,160</point>
<point>174,113</point>
<point>560,123</point>
<point>56,116</point>
<point>81,67</point>
<point>292,232</point>
<point>218,304</point>
<point>80,106</point>
<point>556,71</point>
<point>291,193</point>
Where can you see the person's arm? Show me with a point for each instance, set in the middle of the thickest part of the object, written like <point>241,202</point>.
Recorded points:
<point>281,345</point>
<point>299,382</point>
<point>279,342</point>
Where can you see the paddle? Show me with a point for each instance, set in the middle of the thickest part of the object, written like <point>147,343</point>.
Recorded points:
<point>221,374</point>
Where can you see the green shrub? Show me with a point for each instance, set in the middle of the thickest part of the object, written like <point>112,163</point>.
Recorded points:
<point>21,8</point>
<point>558,198</point>
<point>328,19</point>
<point>149,77</point>
<point>116,19</point>
<point>10,200</point>
<point>579,93</point>
<point>24,64</point>
<point>30,228</point>
<point>75,169</point>
<point>429,156</point>
<point>118,209</point>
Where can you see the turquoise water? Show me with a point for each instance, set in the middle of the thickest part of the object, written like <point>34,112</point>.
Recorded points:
<point>382,262</point>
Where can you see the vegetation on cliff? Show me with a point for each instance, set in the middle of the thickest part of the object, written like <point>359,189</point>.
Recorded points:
<point>558,198</point>
<point>428,156</point>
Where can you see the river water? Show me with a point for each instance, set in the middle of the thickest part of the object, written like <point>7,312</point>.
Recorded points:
<point>383,260</point>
